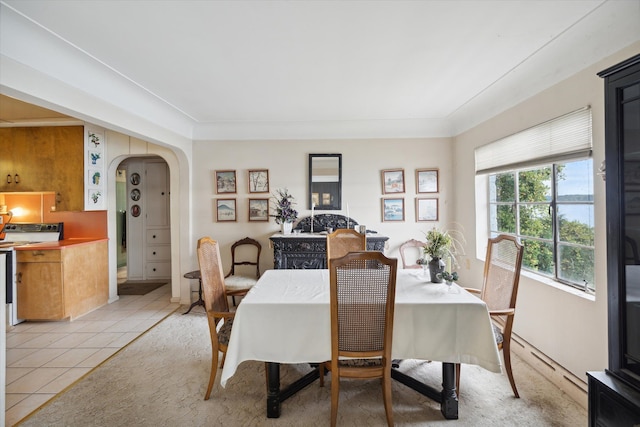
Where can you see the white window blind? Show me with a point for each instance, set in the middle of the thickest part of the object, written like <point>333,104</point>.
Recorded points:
<point>565,137</point>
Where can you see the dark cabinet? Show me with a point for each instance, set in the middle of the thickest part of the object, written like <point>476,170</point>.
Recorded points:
<point>614,395</point>
<point>309,251</point>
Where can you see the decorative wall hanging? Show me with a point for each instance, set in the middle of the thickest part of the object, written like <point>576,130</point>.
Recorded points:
<point>392,181</point>
<point>225,210</point>
<point>426,209</point>
<point>392,209</point>
<point>95,169</point>
<point>258,209</point>
<point>427,181</point>
<point>225,182</point>
<point>259,181</point>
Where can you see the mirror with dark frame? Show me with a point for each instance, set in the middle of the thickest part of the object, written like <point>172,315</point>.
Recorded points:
<point>325,181</point>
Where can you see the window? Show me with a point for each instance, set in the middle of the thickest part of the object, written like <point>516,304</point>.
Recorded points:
<point>541,190</point>
<point>550,208</point>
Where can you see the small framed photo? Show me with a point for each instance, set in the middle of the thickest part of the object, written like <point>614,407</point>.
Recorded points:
<point>392,181</point>
<point>259,181</point>
<point>426,209</point>
<point>392,209</point>
<point>225,182</point>
<point>225,210</point>
<point>258,209</point>
<point>427,180</point>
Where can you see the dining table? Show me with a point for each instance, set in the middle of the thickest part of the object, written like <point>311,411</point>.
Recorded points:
<point>285,319</point>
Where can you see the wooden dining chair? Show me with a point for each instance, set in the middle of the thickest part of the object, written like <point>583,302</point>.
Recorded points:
<point>245,256</point>
<point>499,291</point>
<point>362,294</point>
<point>215,302</point>
<point>407,252</point>
<point>344,240</point>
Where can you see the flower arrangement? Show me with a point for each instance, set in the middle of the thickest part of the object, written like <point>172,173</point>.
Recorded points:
<point>283,205</point>
<point>438,243</point>
<point>444,244</point>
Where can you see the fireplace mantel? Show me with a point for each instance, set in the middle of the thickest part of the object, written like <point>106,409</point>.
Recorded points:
<point>306,250</point>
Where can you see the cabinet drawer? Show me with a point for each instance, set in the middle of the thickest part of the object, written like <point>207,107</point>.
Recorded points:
<point>159,253</point>
<point>158,236</point>
<point>39,256</point>
<point>158,269</point>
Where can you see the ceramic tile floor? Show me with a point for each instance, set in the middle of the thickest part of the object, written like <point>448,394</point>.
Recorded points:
<point>44,358</point>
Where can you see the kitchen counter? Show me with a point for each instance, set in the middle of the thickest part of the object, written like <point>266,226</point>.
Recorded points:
<point>59,244</point>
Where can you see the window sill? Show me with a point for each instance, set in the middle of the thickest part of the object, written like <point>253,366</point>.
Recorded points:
<point>557,285</point>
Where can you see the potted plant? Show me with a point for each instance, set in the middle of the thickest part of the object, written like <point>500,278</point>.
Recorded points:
<point>285,214</point>
<point>439,245</point>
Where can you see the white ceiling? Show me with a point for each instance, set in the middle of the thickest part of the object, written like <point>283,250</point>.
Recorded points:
<point>234,69</point>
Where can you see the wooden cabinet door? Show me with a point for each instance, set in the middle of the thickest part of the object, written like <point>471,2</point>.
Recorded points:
<point>40,291</point>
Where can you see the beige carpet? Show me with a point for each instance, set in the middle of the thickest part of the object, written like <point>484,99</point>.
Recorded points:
<point>160,380</point>
<point>138,288</point>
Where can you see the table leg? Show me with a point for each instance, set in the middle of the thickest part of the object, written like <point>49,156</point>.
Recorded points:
<point>200,301</point>
<point>273,390</point>
<point>449,404</point>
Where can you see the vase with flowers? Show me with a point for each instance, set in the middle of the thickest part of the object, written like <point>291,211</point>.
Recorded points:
<point>285,214</point>
<point>440,244</point>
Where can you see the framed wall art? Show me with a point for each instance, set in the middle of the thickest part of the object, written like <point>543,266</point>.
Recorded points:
<point>259,181</point>
<point>392,209</point>
<point>392,181</point>
<point>225,182</point>
<point>426,209</point>
<point>95,169</point>
<point>225,210</point>
<point>427,180</point>
<point>258,209</point>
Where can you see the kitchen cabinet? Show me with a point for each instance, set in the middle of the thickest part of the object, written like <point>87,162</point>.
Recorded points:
<point>64,283</point>
<point>44,159</point>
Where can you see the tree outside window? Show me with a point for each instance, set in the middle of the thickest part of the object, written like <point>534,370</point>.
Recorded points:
<point>550,208</point>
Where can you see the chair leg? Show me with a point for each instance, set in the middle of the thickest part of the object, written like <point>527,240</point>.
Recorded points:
<point>506,352</point>
<point>335,397</point>
<point>321,371</point>
<point>458,366</point>
<point>214,370</point>
<point>386,391</point>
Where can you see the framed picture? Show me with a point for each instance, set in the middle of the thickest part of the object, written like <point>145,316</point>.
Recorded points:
<point>392,209</point>
<point>427,180</point>
<point>258,209</point>
<point>225,210</point>
<point>426,209</point>
<point>225,182</point>
<point>259,181</point>
<point>393,181</point>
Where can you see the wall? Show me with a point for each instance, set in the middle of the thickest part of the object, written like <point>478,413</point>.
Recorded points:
<point>570,329</point>
<point>287,161</point>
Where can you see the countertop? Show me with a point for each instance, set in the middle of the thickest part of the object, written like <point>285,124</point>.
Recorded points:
<point>59,244</point>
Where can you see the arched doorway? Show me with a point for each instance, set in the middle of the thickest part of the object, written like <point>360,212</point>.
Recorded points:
<point>143,238</point>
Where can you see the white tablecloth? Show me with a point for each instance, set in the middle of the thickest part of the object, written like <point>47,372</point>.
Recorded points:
<point>285,318</point>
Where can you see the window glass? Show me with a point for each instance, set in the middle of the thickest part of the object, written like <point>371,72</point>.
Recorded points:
<point>550,208</point>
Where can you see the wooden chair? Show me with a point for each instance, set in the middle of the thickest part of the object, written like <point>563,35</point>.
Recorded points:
<point>411,246</point>
<point>215,302</point>
<point>241,278</point>
<point>362,292</point>
<point>344,240</point>
<point>499,291</point>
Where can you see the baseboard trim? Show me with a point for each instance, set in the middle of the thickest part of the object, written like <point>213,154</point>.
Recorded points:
<point>572,385</point>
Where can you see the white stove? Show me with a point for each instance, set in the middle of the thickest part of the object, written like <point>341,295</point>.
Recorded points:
<point>20,234</point>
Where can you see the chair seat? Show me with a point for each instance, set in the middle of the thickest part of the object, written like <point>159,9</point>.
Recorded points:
<point>225,331</point>
<point>497,333</point>
<point>236,282</point>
